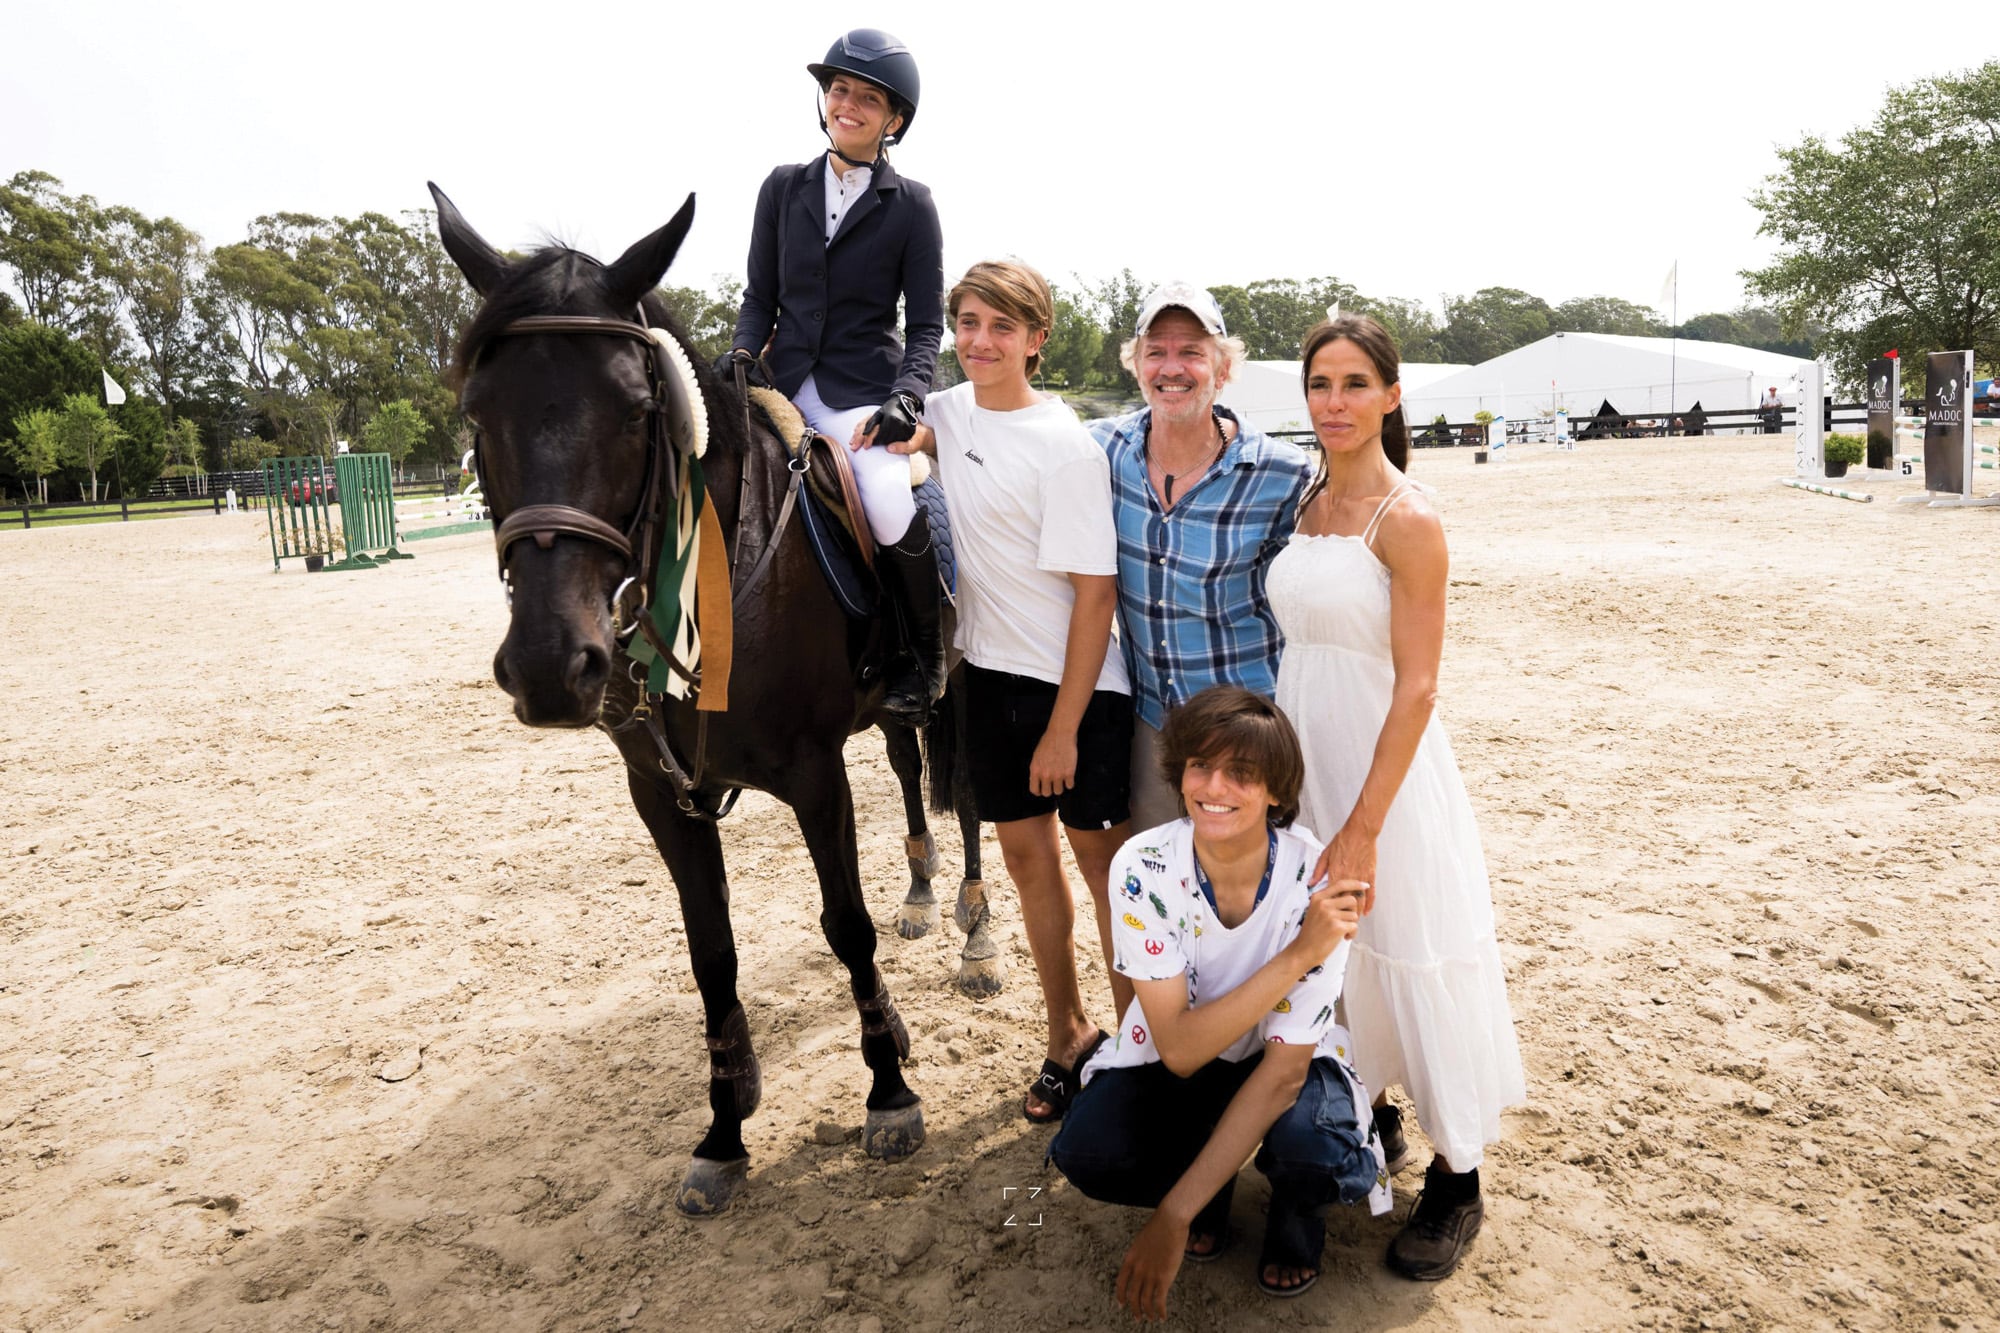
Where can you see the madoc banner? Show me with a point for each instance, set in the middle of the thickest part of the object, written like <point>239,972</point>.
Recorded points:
<point>1885,399</point>
<point>1948,423</point>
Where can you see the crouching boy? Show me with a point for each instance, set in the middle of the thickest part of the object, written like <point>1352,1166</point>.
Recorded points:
<point>1231,1041</point>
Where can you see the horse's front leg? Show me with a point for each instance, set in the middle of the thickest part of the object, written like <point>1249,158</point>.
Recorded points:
<point>918,916</point>
<point>692,849</point>
<point>825,810</point>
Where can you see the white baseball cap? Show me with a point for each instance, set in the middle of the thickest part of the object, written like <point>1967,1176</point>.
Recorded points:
<point>1185,296</point>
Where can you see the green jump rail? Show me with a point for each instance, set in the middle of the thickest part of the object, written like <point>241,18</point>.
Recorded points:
<point>299,513</point>
<point>366,486</point>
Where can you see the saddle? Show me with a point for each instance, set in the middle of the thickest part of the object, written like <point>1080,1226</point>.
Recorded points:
<point>835,523</point>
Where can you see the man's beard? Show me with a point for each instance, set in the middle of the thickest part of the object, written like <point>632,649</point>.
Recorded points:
<point>1179,409</point>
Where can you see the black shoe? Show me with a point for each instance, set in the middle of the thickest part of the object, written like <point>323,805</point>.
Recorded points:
<point>1395,1148</point>
<point>909,574</point>
<point>1443,1223</point>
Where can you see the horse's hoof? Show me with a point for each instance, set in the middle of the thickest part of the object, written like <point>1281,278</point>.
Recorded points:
<point>708,1186</point>
<point>971,905</point>
<point>917,920</point>
<point>980,978</point>
<point>890,1136</point>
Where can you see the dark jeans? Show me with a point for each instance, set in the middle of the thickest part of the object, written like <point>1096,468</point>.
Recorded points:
<point>1131,1133</point>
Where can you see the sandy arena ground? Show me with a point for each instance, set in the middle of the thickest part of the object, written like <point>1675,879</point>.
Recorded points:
<point>330,998</point>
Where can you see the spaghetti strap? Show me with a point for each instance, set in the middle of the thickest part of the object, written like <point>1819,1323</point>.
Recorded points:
<point>1389,501</point>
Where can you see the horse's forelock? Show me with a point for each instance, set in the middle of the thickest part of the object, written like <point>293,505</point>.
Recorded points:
<point>554,280</point>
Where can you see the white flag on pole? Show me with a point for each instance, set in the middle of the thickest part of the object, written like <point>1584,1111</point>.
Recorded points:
<point>113,395</point>
<point>1670,289</point>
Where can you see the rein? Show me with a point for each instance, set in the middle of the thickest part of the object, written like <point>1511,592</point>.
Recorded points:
<point>670,433</point>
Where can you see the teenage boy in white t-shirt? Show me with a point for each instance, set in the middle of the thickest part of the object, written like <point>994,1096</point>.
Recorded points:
<point>1231,1041</point>
<point>1048,706</point>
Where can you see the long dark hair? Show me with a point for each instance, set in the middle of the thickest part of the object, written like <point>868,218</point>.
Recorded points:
<point>1374,340</point>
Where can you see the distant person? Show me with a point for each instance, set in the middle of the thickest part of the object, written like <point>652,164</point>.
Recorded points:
<point>1231,1040</point>
<point>1772,410</point>
<point>836,245</point>
<point>1204,503</point>
<point>1360,592</point>
<point>1049,731</point>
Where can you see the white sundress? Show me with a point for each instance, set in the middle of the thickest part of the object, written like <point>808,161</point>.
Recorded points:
<point>1426,997</point>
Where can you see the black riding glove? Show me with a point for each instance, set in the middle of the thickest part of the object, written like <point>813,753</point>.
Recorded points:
<point>725,368</point>
<point>896,420</point>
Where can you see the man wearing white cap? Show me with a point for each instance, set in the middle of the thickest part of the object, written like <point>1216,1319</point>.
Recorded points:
<point>1203,503</point>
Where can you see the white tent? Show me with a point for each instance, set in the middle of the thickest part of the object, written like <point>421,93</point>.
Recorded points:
<point>1578,371</point>
<point>1267,393</point>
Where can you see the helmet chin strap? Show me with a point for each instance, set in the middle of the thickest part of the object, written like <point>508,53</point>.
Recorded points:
<point>881,140</point>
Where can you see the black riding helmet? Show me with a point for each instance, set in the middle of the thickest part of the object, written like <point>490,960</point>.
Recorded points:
<point>883,60</point>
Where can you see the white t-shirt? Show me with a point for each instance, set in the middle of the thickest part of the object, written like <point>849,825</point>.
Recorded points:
<point>1162,927</point>
<point>1030,497</point>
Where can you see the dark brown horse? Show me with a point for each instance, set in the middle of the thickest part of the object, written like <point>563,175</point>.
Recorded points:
<point>579,415</point>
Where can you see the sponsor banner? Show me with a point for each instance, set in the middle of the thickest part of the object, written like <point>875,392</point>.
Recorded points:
<point>1948,423</point>
<point>1809,439</point>
<point>1885,396</point>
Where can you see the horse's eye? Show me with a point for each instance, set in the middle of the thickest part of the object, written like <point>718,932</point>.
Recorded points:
<point>637,416</point>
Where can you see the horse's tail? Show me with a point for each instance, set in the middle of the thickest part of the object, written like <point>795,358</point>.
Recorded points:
<point>941,756</point>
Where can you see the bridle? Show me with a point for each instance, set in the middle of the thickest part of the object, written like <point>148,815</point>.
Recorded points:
<point>670,436</point>
<point>669,430</point>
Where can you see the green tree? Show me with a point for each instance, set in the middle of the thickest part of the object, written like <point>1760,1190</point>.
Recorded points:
<point>154,268</point>
<point>1891,238</point>
<point>39,367</point>
<point>86,436</point>
<point>36,449</point>
<point>1410,323</point>
<point>252,302</point>
<point>1114,305</point>
<point>181,445</point>
<point>709,318</point>
<point>1490,322</point>
<point>47,240</point>
<point>1604,314</point>
<point>396,429</point>
<point>1272,315</point>
<point>139,450</point>
<point>1715,328</point>
<point>325,320</point>
<point>948,372</point>
<point>1075,343</point>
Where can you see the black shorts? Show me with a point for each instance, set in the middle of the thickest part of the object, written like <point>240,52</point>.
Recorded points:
<point>1005,718</point>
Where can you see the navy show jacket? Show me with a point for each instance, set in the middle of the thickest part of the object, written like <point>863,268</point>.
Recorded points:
<point>828,309</point>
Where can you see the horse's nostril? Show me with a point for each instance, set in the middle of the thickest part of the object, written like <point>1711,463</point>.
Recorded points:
<point>501,674</point>
<point>589,669</point>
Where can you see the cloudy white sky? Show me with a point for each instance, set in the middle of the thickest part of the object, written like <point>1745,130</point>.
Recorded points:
<point>1413,149</point>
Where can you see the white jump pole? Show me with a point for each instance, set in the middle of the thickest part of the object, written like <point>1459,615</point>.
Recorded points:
<point>1856,496</point>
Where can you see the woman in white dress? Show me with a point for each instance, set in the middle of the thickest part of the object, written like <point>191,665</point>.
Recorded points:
<point>1360,596</point>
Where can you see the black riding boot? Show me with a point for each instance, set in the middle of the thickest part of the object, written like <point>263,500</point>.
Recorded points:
<point>909,574</point>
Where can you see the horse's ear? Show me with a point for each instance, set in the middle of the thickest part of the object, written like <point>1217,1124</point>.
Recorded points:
<point>482,265</point>
<point>640,269</point>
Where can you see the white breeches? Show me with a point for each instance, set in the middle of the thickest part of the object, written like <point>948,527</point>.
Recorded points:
<point>882,478</point>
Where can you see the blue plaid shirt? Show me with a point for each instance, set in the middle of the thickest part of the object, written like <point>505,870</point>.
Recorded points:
<point>1191,605</point>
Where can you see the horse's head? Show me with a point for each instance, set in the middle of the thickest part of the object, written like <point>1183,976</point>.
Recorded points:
<point>562,420</point>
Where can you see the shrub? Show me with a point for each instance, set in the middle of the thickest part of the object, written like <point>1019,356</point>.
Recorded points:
<point>1847,449</point>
